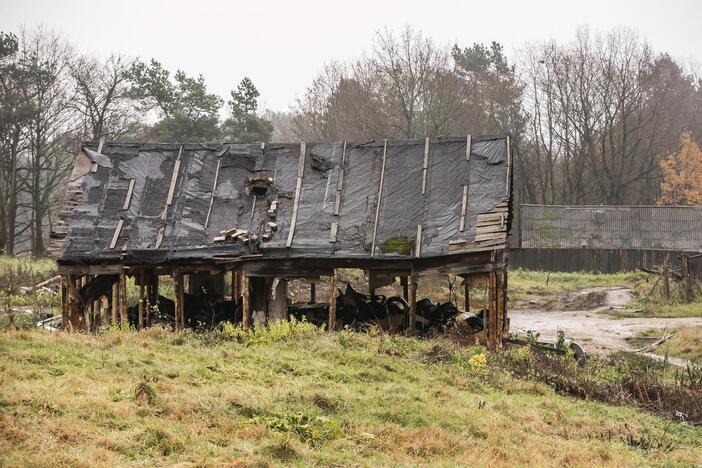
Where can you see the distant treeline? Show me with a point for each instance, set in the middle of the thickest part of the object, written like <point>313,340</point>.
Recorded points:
<point>591,119</point>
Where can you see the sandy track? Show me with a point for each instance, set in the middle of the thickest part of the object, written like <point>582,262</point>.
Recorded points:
<point>594,330</point>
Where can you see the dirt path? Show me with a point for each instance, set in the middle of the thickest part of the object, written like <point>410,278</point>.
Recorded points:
<point>596,331</point>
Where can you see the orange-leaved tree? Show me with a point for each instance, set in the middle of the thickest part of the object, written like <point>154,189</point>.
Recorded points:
<point>682,174</point>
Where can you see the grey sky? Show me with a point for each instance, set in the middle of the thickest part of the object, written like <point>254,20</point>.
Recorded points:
<point>282,45</point>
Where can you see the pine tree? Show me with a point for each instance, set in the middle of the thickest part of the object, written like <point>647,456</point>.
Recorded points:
<point>245,125</point>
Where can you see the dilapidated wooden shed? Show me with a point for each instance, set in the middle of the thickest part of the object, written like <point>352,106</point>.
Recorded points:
<point>266,213</point>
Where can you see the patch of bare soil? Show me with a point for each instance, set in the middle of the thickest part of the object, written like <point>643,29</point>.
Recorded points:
<point>597,332</point>
<point>579,301</point>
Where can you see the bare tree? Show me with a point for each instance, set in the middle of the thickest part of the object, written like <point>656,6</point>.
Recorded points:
<point>102,96</point>
<point>602,111</point>
<point>51,129</point>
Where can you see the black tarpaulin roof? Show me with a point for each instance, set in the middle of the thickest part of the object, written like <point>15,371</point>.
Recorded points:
<point>156,203</point>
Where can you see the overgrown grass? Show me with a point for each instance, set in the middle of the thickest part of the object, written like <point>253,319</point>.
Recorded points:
<point>530,284</point>
<point>299,396</point>
<point>687,345</point>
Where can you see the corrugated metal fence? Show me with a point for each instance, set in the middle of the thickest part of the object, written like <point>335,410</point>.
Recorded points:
<point>676,228</point>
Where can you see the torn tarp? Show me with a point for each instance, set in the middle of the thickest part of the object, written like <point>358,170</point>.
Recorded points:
<point>323,202</point>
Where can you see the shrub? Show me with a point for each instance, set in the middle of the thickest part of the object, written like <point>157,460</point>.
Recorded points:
<point>281,330</point>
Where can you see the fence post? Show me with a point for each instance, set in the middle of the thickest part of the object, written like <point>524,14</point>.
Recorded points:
<point>666,277</point>
<point>686,278</point>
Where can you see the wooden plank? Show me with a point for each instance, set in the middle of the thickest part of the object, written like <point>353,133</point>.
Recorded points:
<point>115,235</point>
<point>128,198</point>
<point>469,146</point>
<point>380,198</point>
<point>464,207</point>
<point>425,165</point>
<point>332,233</point>
<point>214,187</point>
<point>488,217</point>
<point>340,182</point>
<point>174,177</point>
<point>332,302</point>
<point>492,236</point>
<point>298,189</point>
<point>492,228</point>
<point>418,242</point>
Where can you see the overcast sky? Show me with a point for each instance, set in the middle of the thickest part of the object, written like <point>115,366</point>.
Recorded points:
<point>282,45</point>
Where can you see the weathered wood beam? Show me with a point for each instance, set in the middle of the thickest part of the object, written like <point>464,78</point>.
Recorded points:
<point>332,302</point>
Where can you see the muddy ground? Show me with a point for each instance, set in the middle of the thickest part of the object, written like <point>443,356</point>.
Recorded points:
<point>591,327</point>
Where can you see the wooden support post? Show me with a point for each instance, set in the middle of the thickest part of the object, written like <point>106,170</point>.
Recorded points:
<point>114,303</point>
<point>666,277</point>
<point>313,292</point>
<point>687,281</point>
<point>405,287</point>
<point>74,308</point>
<point>179,299</point>
<point>412,326</point>
<point>491,319</point>
<point>85,311</point>
<point>124,320</point>
<point>332,301</point>
<point>64,301</point>
<point>106,311</point>
<point>235,286</point>
<point>466,294</point>
<point>246,302</point>
<point>142,299</point>
<point>501,305</point>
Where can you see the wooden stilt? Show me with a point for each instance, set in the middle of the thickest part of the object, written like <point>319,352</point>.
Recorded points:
<point>412,326</point>
<point>123,318</point>
<point>74,307</point>
<point>313,292</point>
<point>332,301</point>
<point>501,304</point>
<point>114,306</point>
<point>142,299</point>
<point>64,301</point>
<point>492,311</point>
<point>466,294</point>
<point>179,299</point>
<point>405,287</point>
<point>246,302</point>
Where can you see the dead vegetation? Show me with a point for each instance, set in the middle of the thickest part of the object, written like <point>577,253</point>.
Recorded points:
<point>297,395</point>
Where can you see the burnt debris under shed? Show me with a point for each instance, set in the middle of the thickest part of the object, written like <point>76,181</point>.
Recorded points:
<point>268,213</point>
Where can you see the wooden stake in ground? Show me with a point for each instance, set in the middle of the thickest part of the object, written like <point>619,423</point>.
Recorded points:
<point>686,278</point>
<point>666,277</point>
